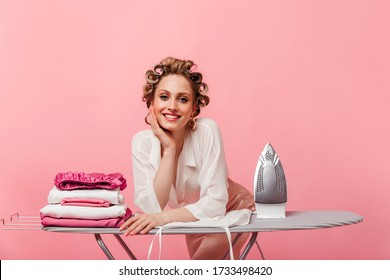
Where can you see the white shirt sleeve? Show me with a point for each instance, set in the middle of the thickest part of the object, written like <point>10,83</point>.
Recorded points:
<point>213,173</point>
<point>144,173</point>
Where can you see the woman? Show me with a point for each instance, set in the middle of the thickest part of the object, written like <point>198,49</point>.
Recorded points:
<point>179,168</point>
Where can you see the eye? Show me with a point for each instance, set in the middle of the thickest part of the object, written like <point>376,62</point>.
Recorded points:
<point>183,99</point>
<point>164,97</point>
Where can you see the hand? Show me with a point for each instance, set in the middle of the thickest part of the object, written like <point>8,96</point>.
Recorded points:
<point>164,136</point>
<point>143,223</point>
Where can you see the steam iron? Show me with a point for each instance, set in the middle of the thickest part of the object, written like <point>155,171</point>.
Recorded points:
<point>270,188</point>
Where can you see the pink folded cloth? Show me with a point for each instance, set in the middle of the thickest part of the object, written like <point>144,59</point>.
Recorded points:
<point>85,202</point>
<point>68,222</point>
<point>81,180</point>
<point>82,212</point>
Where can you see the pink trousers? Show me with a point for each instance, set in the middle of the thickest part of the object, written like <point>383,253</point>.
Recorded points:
<point>215,246</point>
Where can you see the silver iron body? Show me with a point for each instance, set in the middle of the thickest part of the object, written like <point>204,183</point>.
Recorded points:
<point>270,187</point>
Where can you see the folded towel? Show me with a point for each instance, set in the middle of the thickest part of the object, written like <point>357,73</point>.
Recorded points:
<point>86,202</point>
<point>81,212</point>
<point>81,180</point>
<point>112,196</point>
<point>65,222</point>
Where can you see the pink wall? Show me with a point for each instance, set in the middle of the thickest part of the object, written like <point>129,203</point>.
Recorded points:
<point>311,77</point>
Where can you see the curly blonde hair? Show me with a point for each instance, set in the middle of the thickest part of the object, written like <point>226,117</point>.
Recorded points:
<point>185,68</point>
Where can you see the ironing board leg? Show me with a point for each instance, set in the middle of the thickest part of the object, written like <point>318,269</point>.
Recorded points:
<point>109,256</point>
<point>103,246</point>
<point>249,246</point>
<point>234,242</point>
<point>125,247</point>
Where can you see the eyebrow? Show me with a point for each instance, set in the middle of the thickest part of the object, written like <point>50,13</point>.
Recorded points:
<point>179,93</point>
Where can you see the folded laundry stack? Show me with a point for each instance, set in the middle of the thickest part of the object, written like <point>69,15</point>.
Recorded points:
<point>81,199</point>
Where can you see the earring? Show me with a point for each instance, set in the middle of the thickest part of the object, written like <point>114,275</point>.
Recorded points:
<point>192,123</point>
<point>146,119</point>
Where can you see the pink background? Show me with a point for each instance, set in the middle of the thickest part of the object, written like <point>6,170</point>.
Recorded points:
<point>311,77</point>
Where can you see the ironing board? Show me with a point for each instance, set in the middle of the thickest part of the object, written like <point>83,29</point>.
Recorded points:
<point>295,220</point>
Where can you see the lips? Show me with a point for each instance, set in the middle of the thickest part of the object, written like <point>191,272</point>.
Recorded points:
<point>171,117</point>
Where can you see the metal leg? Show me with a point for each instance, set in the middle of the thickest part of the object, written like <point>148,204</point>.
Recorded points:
<point>234,242</point>
<point>109,256</point>
<point>103,247</point>
<point>125,247</point>
<point>249,246</point>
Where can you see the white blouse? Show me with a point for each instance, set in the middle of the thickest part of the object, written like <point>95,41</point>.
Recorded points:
<point>201,183</point>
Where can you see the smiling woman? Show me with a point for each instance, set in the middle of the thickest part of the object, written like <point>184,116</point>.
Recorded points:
<point>184,69</point>
<point>179,166</point>
<point>173,102</point>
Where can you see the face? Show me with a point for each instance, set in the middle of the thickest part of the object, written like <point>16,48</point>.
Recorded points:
<point>173,102</point>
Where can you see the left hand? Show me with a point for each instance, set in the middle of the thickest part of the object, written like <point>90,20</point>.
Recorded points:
<point>164,136</point>
<point>143,223</point>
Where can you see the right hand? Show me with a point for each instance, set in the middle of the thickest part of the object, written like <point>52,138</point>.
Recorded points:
<point>164,136</point>
<point>143,223</point>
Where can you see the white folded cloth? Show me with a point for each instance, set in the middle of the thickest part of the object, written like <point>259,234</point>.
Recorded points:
<point>232,218</point>
<point>83,212</point>
<point>112,196</point>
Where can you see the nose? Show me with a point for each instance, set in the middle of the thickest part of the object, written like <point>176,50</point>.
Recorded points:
<point>172,105</point>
